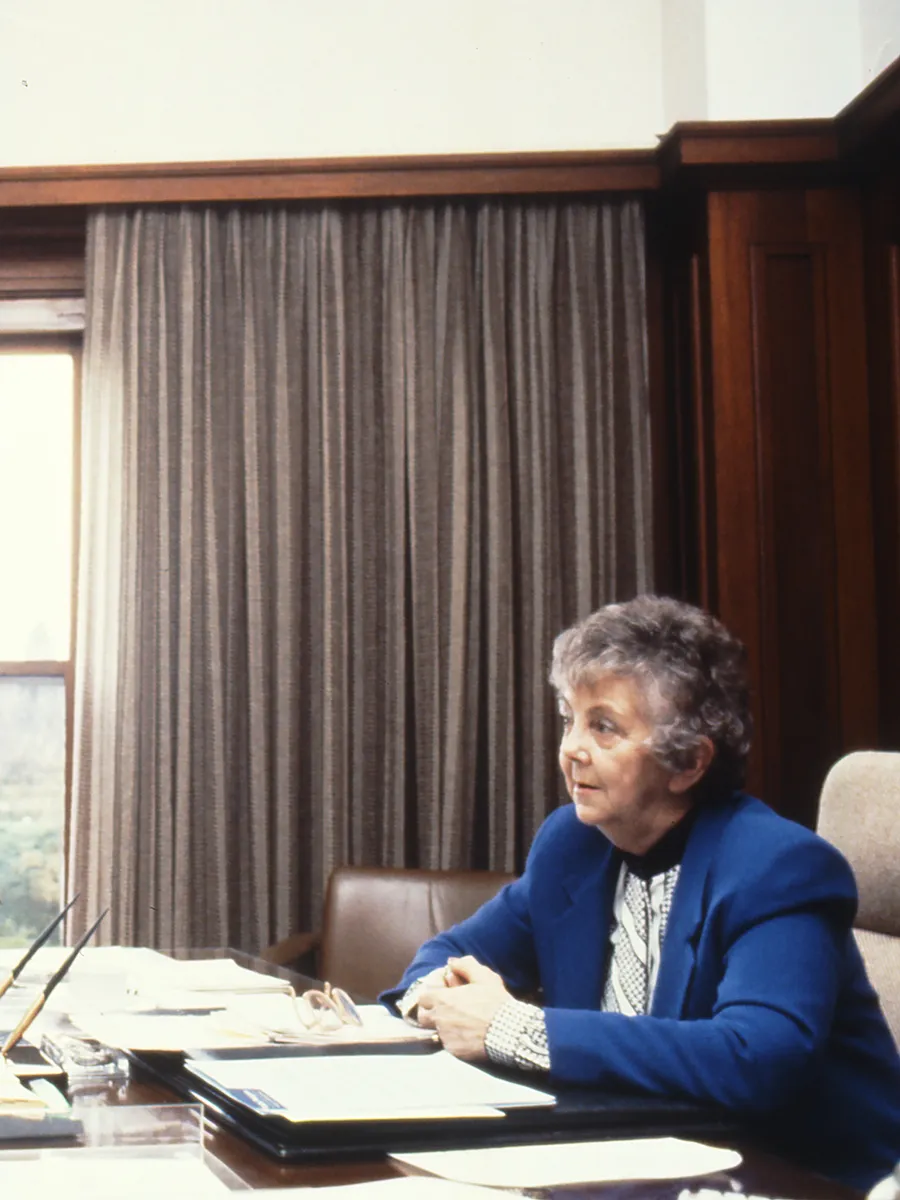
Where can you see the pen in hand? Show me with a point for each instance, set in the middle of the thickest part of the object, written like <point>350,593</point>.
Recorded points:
<point>51,983</point>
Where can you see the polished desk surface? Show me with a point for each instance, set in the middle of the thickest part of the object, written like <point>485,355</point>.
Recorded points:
<point>759,1174</point>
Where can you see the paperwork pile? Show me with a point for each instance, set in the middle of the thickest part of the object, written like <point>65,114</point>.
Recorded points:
<point>365,1087</point>
<point>242,1022</point>
<point>142,1000</point>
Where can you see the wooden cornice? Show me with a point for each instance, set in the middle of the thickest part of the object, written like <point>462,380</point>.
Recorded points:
<point>713,148</point>
<point>329,179</point>
<point>721,153</point>
<point>871,121</point>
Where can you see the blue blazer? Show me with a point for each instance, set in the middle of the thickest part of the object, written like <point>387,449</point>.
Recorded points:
<point>761,1006</point>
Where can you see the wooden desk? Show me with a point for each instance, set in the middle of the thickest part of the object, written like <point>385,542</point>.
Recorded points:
<point>759,1174</point>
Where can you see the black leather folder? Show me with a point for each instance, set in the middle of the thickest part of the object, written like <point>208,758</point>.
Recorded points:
<point>579,1114</point>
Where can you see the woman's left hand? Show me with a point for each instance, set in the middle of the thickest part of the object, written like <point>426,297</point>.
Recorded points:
<point>462,1014</point>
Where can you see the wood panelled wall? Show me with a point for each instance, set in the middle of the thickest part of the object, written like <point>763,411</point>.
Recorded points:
<point>41,252</point>
<point>767,304</point>
<point>881,209</point>
<point>780,251</point>
<point>774,292</point>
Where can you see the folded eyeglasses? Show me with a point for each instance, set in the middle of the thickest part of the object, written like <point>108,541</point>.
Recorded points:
<point>326,1009</point>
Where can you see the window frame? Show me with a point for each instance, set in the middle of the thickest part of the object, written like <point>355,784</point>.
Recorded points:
<point>72,344</point>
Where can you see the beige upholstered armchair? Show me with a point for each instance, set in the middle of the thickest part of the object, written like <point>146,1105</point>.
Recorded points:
<point>859,813</point>
<point>377,917</point>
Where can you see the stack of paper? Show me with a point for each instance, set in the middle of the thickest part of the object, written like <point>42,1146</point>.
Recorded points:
<point>93,961</point>
<point>242,1021</point>
<point>280,1019</point>
<point>365,1087</point>
<point>99,977</point>
<point>198,983</point>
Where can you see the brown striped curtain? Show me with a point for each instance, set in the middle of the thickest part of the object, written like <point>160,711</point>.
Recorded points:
<point>346,472</point>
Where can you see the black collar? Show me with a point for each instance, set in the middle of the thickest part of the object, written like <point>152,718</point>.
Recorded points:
<point>664,854</point>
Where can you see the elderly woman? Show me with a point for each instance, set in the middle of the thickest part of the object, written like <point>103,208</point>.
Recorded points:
<point>686,940</point>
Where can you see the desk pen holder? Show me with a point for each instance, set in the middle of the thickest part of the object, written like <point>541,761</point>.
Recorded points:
<point>84,1059</point>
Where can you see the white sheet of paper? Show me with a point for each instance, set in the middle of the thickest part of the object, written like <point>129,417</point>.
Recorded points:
<point>99,976</point>
<point>145,1031</point>
<point>187,983</point>
<point>246,1021</point>
<point>209,975</point>
<point>409,1187</point>
<point>357,1087</point>
<point>278,1014</point>
<point>109,1177</point>
<point>558,1163</point>
<point>92,960</point>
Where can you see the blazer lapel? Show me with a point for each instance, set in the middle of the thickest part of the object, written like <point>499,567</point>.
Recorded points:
<point>579,933</point>
<point>688,911</point>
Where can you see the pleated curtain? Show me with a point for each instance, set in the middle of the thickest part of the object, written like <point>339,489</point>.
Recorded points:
<point>346,471</point>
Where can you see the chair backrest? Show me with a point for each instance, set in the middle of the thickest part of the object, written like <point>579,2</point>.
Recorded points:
<point>859,813</point>
<point>377,917</point>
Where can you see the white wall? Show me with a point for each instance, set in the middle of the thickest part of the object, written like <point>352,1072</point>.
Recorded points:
<point>781,58</point>
<point>880,28</point>
<point>179,80</point>
<point>106,81</point>
<point>684,61</point>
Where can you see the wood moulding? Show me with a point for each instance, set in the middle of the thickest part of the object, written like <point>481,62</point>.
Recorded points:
<point>719,154</point>
<point>714,150</point>
<point>749,147</point>
<point>870,123</point>
<point>329,179</point>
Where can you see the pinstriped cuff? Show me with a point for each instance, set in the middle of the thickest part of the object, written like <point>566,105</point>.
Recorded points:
<point>517,1037</point>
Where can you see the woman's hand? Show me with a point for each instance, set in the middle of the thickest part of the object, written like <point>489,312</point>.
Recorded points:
<point>461,1006</point>
<point>443,977</point>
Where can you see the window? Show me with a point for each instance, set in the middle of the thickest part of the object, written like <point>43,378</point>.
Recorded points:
<point>38,449</point>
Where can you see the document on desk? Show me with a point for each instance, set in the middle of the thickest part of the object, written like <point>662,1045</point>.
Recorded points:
<point>243,1021</point>
<point>78,1173</point>
<point>278,1017</point>
<point>556,1164</point>
<point>92,960</point>
<point>407,1187</point>
<point>183,983</point>
<point>365,1087</point>
<point>166,1031</point>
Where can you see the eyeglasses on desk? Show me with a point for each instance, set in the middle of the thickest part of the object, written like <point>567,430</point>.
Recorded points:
<point>326,1009</point>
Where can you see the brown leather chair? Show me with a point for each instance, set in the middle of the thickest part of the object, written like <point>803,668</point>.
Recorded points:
<point>376,918</point>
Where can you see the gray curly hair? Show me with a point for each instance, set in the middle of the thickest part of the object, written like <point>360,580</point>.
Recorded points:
<point>691,672</point>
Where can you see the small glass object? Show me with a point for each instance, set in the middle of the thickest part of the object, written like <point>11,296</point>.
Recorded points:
<point>126,1150</point>
<point>83,1058</point>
